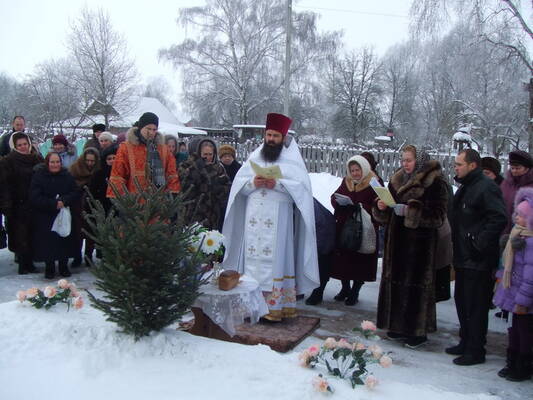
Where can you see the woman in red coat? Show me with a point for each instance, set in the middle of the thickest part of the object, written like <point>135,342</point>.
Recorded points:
<point>351,265</point>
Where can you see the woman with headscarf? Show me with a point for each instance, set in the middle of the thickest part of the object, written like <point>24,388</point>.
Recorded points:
<point>82,171</point>
<point>52,188</point>
<point>349,265</point>
<point>406,304</point>
<point>145,157</point>
<point>16,170</point>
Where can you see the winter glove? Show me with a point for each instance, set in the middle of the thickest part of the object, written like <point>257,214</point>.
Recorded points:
<point>518,243</point>
<point>400,209</point>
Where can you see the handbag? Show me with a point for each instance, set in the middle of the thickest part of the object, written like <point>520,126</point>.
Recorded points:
<point>352,231</point>
<point>62,222</point>
<point>368,239</point>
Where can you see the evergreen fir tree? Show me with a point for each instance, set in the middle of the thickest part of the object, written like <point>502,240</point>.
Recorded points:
<point>148,274</point>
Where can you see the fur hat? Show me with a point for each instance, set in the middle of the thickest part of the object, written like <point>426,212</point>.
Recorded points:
<point>491,164</point>
<point>521,158</point>
<point>60,139</point>
<point>278,122</point>
<point>146,119</point>
<point>523,205</point>
<point>226,149</point>
<point>98,128</point>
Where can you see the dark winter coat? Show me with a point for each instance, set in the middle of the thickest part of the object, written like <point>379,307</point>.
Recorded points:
<point>406,303</point>
<point>325,228</point>
<point>208,186</point>
<point>351,265</point>
<point>478,220</point>
<point>4,144</point>
<point>17,172</point>
<point>98,186</point>
<point>510,187</point>
<point>232,169</point>
<point>45,186</point>
<point>92,142</point>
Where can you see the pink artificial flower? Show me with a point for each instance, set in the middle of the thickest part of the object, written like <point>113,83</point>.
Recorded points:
<point>376,351</point>
<point>63,284</point>
<point>314,350</point>
<point>78,303</point>
<point>21,295</point>
<point>74,292</point>
<point>321,384</point>
<point>72,286</point>
<point>305,358</point>
<point>50,291</point>
<point>368,326</point>
<point>385,361</point>
<point>359,346</point>
<point>343,343</point>
<point>371,381</point>
<point>32,292</point>
<point>330,343</point>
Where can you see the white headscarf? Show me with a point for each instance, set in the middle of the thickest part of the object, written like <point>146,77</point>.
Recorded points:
<point>363,163</point>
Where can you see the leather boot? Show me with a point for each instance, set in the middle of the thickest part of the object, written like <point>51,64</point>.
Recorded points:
<point>50,270</point>
<point>353,297</point>
<point>509,364</point>
<point>345,291</point>
<point>315,298</point>
<point>521,369</point>
<point>63,268</point>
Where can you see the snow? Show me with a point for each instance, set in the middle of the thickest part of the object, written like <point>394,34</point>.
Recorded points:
<point>461,136</point>
<point>53,352</point>
<point>383,138</point>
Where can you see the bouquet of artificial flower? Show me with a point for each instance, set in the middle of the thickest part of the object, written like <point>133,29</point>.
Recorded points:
<point>66,292</point>
<point>210,243</point>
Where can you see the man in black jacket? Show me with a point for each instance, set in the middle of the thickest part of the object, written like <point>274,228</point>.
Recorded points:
<point>478,219</point>
<point>18,125</point>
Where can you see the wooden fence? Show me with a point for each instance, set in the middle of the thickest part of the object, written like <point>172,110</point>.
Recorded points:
<point>333,159</point>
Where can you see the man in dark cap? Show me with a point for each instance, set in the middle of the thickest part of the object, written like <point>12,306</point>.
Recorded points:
<point>492,168</point>
<point>518,176</point>
<point>144,150</point>
<point>269,227</point>
<point>94,142</point>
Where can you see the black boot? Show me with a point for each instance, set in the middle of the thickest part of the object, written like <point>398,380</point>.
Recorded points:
<point>22,269</point>
<point>50,270</point>
<point>509,364</point>
<point>353,297</point>
<point>345,291</point>
<point>63,269</point>
<point>26,264</point>
<point>76,262</point>
<point>316,297</point>
<point>521,369</point>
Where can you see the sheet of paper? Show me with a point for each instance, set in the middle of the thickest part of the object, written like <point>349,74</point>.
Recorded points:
<point>343,200</point>
<point>384,195</point>
<point>273,172</point>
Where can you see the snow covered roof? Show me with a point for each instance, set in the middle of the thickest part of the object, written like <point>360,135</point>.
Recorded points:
<point>256,127</point>
<point>462,137</point>
<point>175,129</point>
<point>383,138</point>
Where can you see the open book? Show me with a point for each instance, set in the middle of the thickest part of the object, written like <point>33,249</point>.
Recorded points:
<point>273,172</point>
<point>383,193</point>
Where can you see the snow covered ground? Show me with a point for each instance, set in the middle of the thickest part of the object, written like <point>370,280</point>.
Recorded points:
<point>56,353</point>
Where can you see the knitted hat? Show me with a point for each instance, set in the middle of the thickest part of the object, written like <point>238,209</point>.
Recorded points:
<point>524,205</point>
<point>226,149</point>
<point>106,135</point>
<point>278,122</point>
<point>491,164</point>
<point>60,139</point>
<point>98,128</point>
<point>146,119</point>
<point>521,158</point>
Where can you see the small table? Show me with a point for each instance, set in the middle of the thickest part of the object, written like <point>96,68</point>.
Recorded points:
<point>222,310</point>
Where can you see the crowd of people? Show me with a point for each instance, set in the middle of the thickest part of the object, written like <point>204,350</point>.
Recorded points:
<point>276,232</point>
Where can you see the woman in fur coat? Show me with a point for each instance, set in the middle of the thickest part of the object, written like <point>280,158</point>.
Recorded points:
<point>406,304</point>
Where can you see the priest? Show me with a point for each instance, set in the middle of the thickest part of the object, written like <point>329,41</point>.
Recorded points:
<point>270,225</point>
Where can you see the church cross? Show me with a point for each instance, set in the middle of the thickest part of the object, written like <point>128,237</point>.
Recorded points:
<point>263,192</point>
<point>253,221</point>
<point>267,251</point>
<point>269,223</point>
<point>251,249</point>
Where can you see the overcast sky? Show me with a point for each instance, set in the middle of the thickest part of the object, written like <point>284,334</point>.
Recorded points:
<point>33,31</point>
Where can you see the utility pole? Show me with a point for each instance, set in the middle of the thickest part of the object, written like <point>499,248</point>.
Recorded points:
<point>288,59</point>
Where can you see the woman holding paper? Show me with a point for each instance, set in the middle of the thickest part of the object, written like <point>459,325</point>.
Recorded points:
<point>351,267</point>
<point>406,304</point>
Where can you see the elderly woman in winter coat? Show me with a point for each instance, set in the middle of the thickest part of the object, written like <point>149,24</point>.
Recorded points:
<point>205,181</point>
<point>66,151</point>
<point>349,265</point>
<point>144,157</point>
<point>406,304</point>
<point>515,292</point>
<point>16,171</point>
<point>52,188</point>
<point>82,171</point>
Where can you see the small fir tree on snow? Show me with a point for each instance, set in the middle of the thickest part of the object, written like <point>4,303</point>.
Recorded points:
<point>148,273</point>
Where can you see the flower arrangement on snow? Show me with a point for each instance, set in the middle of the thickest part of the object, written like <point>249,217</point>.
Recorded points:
<point>210,243</point>
<point>344,360</point>
<point>66,292</point>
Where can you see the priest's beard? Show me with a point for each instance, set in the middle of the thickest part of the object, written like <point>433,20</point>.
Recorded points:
<point>271,151</point>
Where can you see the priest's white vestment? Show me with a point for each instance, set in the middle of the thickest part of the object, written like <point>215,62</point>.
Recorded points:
<point>270,233</point>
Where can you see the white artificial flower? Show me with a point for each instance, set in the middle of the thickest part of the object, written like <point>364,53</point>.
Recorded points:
<point>211,242</point>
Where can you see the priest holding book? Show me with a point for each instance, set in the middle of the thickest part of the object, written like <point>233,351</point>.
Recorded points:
<point>270,225</point>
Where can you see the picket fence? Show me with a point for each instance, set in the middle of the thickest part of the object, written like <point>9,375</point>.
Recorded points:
<point>333,159</point>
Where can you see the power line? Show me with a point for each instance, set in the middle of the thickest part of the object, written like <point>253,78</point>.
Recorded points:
<point>353,11</point>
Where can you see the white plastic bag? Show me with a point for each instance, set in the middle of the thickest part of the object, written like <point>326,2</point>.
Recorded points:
<point>368,241</point>
<point>62,222</point>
